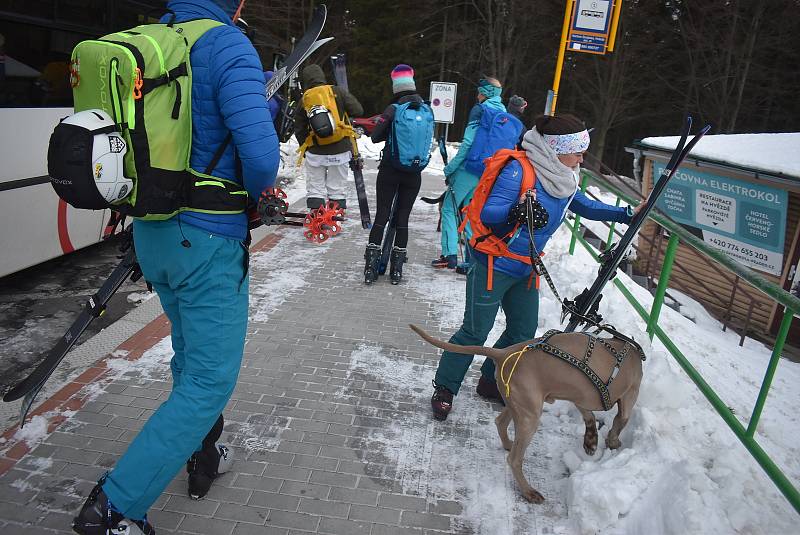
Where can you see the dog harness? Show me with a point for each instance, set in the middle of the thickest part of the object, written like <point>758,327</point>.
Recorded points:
<point>581,363</point>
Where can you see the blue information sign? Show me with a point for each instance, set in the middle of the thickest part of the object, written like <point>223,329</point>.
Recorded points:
<point>589,29</point>
<point>744,219</point>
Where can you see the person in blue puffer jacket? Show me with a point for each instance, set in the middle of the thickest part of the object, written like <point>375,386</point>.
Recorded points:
<point>460,182</point>
<point>197,263</point>
<point>555,148</point>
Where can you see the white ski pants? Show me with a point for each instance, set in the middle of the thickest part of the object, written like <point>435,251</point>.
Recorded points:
<point>326,181</point>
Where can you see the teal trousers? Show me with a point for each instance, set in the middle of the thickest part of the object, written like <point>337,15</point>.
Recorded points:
<point>520,305</point>
<point>203,290</point>
<point>457,195</point>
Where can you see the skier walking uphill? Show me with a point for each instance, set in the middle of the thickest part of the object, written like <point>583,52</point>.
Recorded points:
<point>197,263</point>
<point>394,176</point>
<point>461,182</point>
<point>327,156</point>
<point>554,148</point>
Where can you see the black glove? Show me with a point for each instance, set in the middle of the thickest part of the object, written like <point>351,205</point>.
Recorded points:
<point>518,214</point>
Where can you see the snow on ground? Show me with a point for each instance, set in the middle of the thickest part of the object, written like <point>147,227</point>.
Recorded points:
<point>681,470</point>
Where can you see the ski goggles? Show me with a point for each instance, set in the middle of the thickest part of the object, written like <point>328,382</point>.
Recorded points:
<point>568,143</point>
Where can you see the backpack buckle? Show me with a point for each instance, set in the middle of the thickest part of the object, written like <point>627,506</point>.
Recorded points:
<point>137,85</point>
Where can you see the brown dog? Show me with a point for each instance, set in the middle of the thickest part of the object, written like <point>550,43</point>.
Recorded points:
<point>539,376</point>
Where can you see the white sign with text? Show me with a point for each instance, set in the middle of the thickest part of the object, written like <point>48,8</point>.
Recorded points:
<point>443,101</point>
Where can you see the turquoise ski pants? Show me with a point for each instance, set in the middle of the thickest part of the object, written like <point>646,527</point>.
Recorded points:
<point>521,307</point>
<point>203,290</point>
<point>458,195</point>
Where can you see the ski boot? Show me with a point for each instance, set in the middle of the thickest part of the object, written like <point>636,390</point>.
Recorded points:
<point>441,402</point>
<point>487,389</point>
<point>99,517</point>
<point>396,262</point>
<point>372,255</point>
<point>205,466</point>
<point>449,262</point>
<point>314,202</point>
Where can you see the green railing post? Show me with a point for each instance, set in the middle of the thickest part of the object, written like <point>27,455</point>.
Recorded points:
<point>783,332</point>
<point>663,279</point>
<point>577,226</point>
<point>611,228</point>
<point>744,435</point>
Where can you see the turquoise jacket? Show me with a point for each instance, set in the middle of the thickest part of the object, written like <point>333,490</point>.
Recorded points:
<point>469,132</point>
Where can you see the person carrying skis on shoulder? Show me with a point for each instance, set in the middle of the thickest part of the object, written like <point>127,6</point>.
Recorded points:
<point>322,127</point>
<point>489,128</point>
<point>406,125</point>
<point>197,261</point>
<point>547,168</point>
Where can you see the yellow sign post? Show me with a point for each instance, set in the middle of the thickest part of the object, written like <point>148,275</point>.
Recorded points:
<point>590,26</point>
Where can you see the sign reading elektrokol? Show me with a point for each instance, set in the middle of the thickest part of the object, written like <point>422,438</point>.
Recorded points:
<point>443,101</point>
<point>746,220</point>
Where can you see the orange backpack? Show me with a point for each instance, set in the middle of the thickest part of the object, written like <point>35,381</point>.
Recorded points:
<point>483,239</point>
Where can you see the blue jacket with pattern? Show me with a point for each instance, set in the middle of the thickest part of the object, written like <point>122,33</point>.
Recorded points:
<point>228,95</point>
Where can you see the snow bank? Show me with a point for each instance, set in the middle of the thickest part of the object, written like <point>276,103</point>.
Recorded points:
<point>680,470</point>
<point>772,153</point>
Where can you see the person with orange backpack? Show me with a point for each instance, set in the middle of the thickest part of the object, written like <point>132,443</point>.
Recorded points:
<point>501,274</point>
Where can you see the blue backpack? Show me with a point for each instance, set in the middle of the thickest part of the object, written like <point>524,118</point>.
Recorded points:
<point>410,141</point>
<point>497,130</point>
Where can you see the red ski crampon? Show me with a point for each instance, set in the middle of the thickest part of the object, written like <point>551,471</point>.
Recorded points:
<point>320,223</point>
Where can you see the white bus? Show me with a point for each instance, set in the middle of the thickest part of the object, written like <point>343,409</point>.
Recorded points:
<point>36,40</point>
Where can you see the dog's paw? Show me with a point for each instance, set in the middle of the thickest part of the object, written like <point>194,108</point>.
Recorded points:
<point>590,448</point>
<point>533,496</point>
<point>613,443</point>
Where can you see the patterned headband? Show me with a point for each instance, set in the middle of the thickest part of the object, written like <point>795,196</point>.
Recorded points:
<point>568,143</point>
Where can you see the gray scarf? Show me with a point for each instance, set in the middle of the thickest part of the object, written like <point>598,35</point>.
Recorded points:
<point>557,179</point>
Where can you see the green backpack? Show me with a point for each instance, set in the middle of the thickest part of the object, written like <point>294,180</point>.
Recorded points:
<point>142,78</point>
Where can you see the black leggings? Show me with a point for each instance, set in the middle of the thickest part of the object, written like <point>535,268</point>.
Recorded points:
<point>407,186</point>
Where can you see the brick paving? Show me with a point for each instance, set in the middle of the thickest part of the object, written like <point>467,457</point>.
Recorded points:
<point>313,422</point>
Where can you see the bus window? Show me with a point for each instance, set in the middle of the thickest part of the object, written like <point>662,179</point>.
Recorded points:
<point>39,35</point>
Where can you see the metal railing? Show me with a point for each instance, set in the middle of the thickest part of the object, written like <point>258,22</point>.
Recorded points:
<point>790,303</point>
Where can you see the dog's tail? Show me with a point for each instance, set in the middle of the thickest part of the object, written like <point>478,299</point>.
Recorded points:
<point>491,352</point>
<point>433,200</point>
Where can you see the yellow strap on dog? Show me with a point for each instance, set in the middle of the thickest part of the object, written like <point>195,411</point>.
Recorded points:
<point>507,382</point>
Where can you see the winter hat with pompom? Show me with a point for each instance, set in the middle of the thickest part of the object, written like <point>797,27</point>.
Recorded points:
<point>403,79</point>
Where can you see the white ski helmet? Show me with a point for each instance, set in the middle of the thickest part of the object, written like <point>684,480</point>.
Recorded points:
<point>84,176</point>
<point>321,121</point>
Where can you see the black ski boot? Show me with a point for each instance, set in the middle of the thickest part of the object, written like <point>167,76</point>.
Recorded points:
<point>314,202</point>
<point>98,517</point>
<point>206,465</point>
<point>396,262</point>
<point>372,255</point>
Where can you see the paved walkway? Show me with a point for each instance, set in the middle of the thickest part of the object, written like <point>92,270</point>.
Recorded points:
<point>329,422</point>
